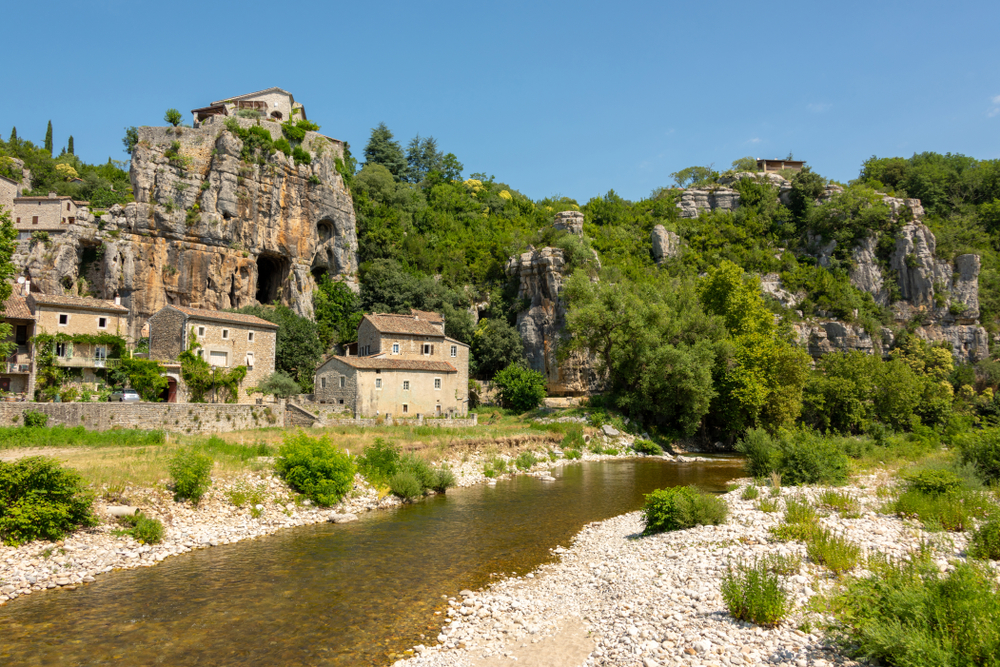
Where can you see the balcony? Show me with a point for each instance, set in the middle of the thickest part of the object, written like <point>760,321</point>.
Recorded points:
<point>87,362</point>
<point>10,367</point>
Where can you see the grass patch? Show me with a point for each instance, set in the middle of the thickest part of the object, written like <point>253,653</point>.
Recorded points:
<point>844,503</point>
<point>750,493</point>
<point>833,551</point>
<point>985,541</point>
<point>784,565</point>
<point>768,505</point>
<point>753,593</point>
<point>143,528</point>
<point>76,436</point>
<point>681,507</point>
<point>525,460</point>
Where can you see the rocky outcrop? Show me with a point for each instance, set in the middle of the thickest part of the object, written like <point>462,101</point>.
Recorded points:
<point>569,221</point>
<point>969,342</point>
<point>694,201</point>
<point>824,337</point>
<point>666,244</point>
<point>209,229</point>
<point>771,285</point>
<point>539,274</point>
<point>865,273</point>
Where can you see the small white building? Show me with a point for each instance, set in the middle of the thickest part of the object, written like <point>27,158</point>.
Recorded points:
<point>274,103</point>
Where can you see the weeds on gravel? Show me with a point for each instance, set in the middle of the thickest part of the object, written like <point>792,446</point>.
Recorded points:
<point>784,565</point>
<point>681,507</point>
<point>750,493</point>
<point>835,552</point>
<point>840,502</point>
<point>985,542</point>
<point>908,614</point>
<point>768,505</point>
<point>800,521</point>
<point>242,493</point>
<point>753,593</point>
<point>496,466</point>
<point>143,528</point>
<point>775,484</point>
<point>525,460</point>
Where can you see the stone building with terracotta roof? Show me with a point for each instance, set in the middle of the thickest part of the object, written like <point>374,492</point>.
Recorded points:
<point>227,340</point>
<point>17,371</point>
<point>404,366</point>
<point>47,214</point>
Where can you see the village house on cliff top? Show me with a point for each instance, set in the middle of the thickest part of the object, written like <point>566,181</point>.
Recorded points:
<point>401,366</point>
<point>274,103</point>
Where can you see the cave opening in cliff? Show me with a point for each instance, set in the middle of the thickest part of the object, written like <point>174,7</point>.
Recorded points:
<point>325,230</point>
<point>270,276</point>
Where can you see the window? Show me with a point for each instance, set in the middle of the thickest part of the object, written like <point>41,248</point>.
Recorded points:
<point>454,350</point>
<point>102,323</point>
<point>60,349</point>
<point>101,353</point>
<point>406,408</point>
<point>218,358</point>
<point>378,383</point>
<point>427,348</point>
<point>200,353</point>
<point>21,334</point>
<point>63,319</point>
<point>437,383</point>
<point>72,220</point>
<point>322,382</point>
<point>201,332</point>
<point>249,336</point>
<point>225,334</point>
<point>343,381</point>
<point>67,206</point>
<point>406,385</point>
<point>34,219</point>
<point>340,402</point>
<point>395,348</point>
<point>249,361</point>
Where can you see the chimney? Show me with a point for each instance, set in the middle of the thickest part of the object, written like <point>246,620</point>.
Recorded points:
<point>27,287</point>
<point>118,300</point>
<point>52,195</point>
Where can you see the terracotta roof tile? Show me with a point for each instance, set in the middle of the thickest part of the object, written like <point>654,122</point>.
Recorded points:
<point>222,316</point>
<point>16,308</point>
<point>434,318</point>
<point>381,363</point>
<point>76,302</point>
<point>403,324</point>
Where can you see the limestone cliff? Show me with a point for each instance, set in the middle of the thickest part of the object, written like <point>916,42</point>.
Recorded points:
<point>209,229</point>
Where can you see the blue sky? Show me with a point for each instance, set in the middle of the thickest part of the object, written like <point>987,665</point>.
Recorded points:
<point>569,98</point>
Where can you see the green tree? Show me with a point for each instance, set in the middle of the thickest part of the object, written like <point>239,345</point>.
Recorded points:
<point>297,347</point>
<point>495,346</point>
<point>694,176</point>
<point>48,139</point>
<point>383,149</point>
<point>278,384</point>
<point>748,163</point>
<point>337,310</point>
<point>69,145</point>
<point>13,135</point>
<point>520,388</point>
<point>8,243</point>
<point>807,186</point>
<point>130,139</point>
<point>143,375</point>
<point>173,116</point>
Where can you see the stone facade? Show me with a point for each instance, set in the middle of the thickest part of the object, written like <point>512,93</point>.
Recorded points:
<point>17,372</point>
<point>227,340</point>
<point>173,417</point>
<point>48,214</point>
<point>270,103</point>
<point>9,190</point>
<point>406,366</point>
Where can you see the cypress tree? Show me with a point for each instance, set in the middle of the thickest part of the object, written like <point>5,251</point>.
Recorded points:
<point>48,138</point>
<point>13,134</point>
<point>69,146</point>
<point>383,149</point>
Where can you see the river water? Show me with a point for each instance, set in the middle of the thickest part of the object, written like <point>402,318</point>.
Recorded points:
<point>350,594</point>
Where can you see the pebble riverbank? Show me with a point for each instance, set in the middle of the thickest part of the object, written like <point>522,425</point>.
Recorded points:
<point>617,598</point>
<point>216,520</point>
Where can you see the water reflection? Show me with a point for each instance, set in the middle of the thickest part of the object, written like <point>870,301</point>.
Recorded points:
<point>349,594</point>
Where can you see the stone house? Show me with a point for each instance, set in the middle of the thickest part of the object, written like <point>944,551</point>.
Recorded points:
<point>9,191</point>
<point>47,214</point>
<point>777,165</point>
<point>73,315</point>
<point>227,340</point>
<point>274,103</point>
<point>17,372</point>
<point>405,366</point>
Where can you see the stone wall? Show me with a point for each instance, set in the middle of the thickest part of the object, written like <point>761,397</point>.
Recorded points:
<point>392,421</point>
<point>174,417</point>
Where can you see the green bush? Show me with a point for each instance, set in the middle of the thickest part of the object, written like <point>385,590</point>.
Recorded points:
<point>444,478</point>
<point>832,550</point>
<point>768,505</point>
<point>950,511</point>
<point>982,450</point>
<point>39,499</point>
<point>985,541</point>
<point>784,565</point>
<point>315,468</point>
<point>753,593</point>
<point>406,485</point>
<point>301,156</point>
<point>681,507</point>
<point>647,447</point>
<point>35,418</point>
<point>762,454</point>
<point>520,388</point>
<point>573,454</point>
<point>934,482</point>
<point>809,458</point>
<point>143,528</point>
<point>496,466</point>
<point>573,438</point>
<point>379,462</point>
<point>907,614</point>
<point>525,460</point>
<point>190,474</point>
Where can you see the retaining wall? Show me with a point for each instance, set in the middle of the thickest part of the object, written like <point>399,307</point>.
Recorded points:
<point>439,423</point>
<point>175,417</point>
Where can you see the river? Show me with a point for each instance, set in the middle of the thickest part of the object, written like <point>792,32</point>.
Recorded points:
<point>350,594</point>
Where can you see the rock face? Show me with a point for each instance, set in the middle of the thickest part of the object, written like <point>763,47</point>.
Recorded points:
<point>209,229</point>
<point>819,338</point>
<point>694,201</point>
<point>540,278</point>
<point>666,244</point>
<point>569,221</point>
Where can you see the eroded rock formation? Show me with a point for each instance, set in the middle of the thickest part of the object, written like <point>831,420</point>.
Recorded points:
<point>666,244</point>
<point>209,229</point>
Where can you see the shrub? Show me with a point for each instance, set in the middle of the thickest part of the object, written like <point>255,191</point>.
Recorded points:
<point>301,156</point>
<point>784,565</point>
<point>907,614</point>
<point>933,482</point>
<point>315,468</point>
<point>190,474</point>
<point>762,454</point>
<point>952,511</point>
<point>444,479</point>
<point>982,450</point>
<point>525,460</point>
<point>647,447</point>
<point>681,507</point>
<point>406,485</point>
<point>833,551</point>
<point>573,438</point>
<point>799,511</point>
<point>173,116</point>
<point>750,493</point>
<point>800,521</point>
<point>841,502</point>
<point>767,505</point>
<point>143,528</point>
<point>379,462</point>
<point>985,542</point>
<point>752,593</point>
<point>35,418</point>
<point>496,466</point>
<point>808,458</point>
<point>520,388</point>
<point>39,499</point>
